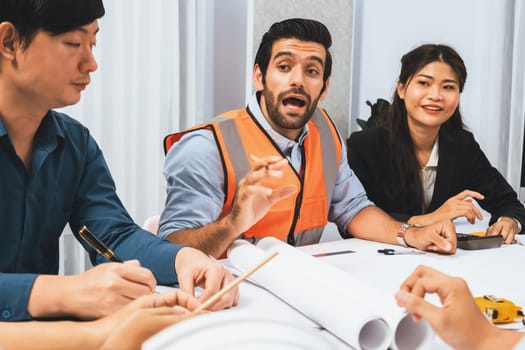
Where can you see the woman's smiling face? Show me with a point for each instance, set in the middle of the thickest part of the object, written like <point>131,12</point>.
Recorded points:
<point>431,96</point>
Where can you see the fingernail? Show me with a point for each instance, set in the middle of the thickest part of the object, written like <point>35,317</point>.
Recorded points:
<point>402,297</point>
<point>448,246</point>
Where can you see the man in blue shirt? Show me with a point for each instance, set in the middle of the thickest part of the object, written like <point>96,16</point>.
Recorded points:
<point>53,173</point>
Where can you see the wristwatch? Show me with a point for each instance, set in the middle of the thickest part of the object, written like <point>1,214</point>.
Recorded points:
<point>401,233</point>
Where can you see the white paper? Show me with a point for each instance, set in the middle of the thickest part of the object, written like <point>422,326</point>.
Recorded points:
<point>356,313</point>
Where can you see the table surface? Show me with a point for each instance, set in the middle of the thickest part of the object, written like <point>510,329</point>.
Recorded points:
<point>491,271</point>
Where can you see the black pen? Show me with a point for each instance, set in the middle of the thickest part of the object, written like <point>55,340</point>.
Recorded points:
<point>97,244</point>
<point>388,251</point>
<point>100,247</point>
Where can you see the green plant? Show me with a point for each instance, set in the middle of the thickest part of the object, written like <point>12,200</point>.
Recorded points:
<point>377,112</point>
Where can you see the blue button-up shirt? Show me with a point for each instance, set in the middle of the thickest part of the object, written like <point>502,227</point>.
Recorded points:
<point>68,181</point>
<point>195,179</point>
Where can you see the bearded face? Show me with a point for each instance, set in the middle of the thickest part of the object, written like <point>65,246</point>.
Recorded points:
<point>292,85</point>
<point>291,109</point>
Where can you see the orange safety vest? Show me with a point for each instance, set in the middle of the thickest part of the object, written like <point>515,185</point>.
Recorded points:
<point>300,219</point>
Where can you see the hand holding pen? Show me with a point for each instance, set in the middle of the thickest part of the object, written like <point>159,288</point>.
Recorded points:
<point>96,292</point>
<point>192,266</point>
<point>99,246</point>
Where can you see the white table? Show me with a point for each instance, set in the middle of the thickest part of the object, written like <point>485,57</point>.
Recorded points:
<point>491,271</point>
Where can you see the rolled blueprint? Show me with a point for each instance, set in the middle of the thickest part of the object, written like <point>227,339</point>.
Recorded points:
<point>358,314</point>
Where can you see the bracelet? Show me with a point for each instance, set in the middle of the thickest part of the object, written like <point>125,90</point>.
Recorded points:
<point>401,233</point>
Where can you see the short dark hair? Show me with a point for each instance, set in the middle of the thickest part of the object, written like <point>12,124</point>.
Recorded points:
<point>299,28</point>
<point>53,16</point>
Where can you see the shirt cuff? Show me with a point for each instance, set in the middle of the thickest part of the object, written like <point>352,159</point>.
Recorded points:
<point>16,289</point>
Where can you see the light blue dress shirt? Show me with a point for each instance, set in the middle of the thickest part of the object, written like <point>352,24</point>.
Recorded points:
<point>195,179</point>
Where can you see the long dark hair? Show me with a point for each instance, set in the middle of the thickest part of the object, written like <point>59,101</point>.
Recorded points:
<point>405,168</point>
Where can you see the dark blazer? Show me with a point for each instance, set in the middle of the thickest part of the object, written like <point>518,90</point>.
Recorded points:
<point>462,165</point>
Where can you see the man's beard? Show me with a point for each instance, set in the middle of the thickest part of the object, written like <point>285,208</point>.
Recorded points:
<point>291,121</point>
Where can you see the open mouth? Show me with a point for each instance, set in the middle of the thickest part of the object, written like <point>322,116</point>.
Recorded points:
<point>294,102</point>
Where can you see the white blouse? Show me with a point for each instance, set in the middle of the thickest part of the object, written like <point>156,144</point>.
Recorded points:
<point>428,175</point>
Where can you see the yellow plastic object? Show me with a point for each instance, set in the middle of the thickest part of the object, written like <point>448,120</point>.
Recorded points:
<point>479,234</point>
<point>499,310</point>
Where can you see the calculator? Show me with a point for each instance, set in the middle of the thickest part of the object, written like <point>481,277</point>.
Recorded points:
<point>472,242</point>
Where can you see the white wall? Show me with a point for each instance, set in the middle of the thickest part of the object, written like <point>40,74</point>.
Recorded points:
<point>230,38</point>
<point>482,31</point>
<point>337,16</point>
